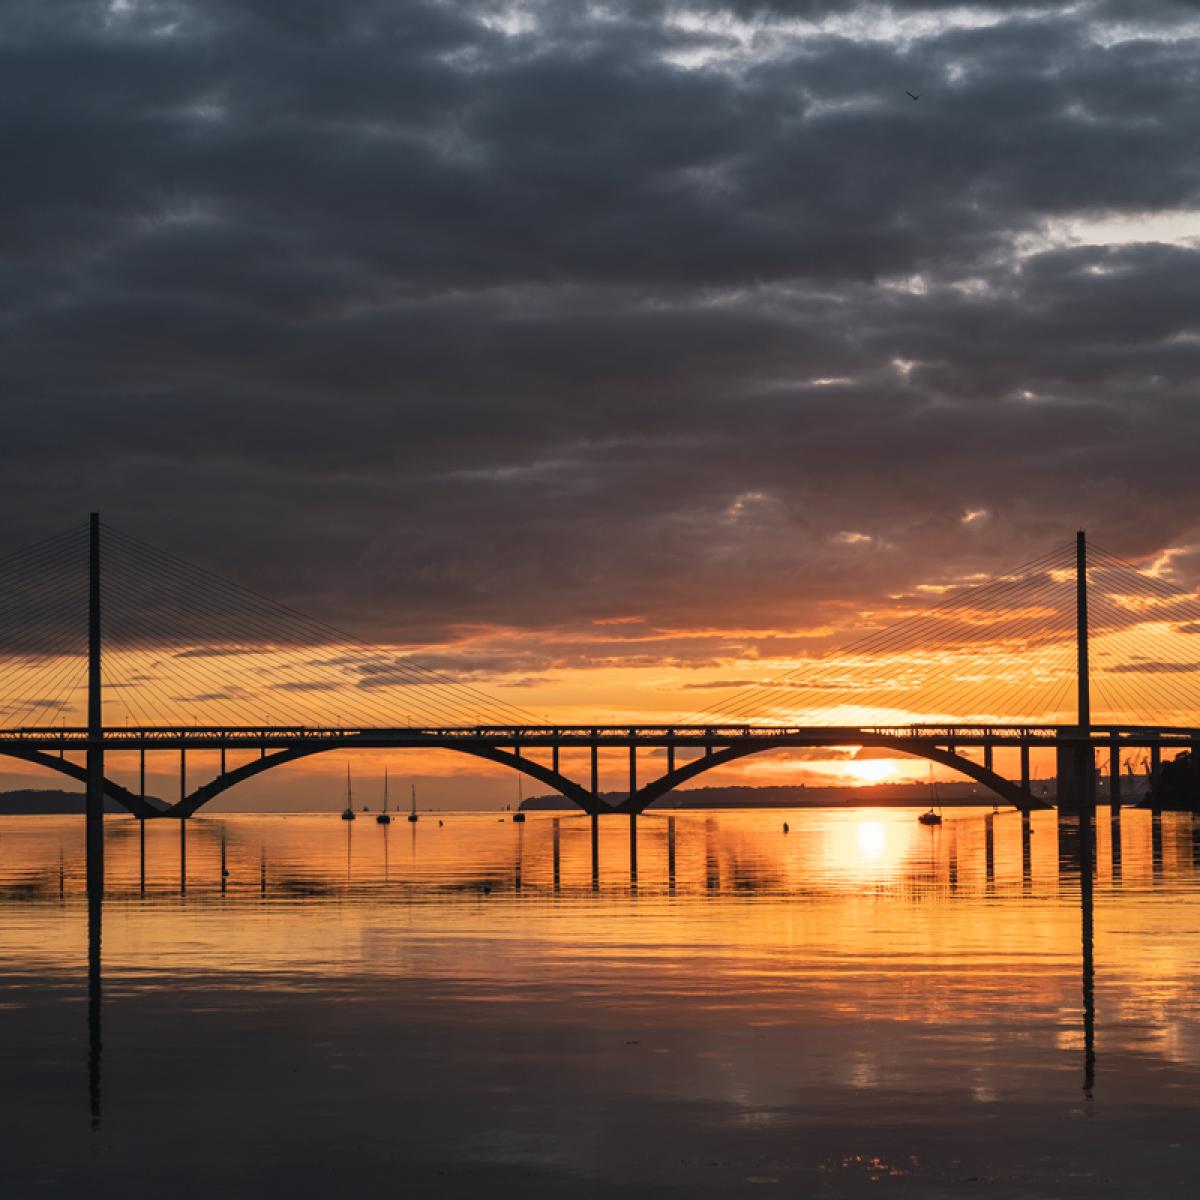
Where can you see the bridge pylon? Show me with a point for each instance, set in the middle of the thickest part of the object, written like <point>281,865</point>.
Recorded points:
<point>1075,765</point>
<point>94,798</point>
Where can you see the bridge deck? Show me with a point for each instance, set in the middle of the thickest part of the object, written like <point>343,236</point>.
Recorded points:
<point>165,737</point>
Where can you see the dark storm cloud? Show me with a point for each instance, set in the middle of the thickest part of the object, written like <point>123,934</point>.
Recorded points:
<point>439,318</point>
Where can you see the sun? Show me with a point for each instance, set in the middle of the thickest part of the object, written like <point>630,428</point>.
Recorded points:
<point>871,770</point>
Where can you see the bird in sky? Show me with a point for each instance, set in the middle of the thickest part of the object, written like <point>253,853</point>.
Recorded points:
<point>912,97</point>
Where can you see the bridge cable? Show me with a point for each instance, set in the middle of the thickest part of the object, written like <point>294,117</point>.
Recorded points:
<point>305,636</point>
<point>881,640</point>
<point>907,631</point>
<point>277,609</point>
<point>300,631</point>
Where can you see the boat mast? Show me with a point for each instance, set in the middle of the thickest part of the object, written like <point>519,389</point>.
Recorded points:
<point>385,794</point>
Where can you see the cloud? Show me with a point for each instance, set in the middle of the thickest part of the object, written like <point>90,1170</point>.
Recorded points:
<point>1153,668</point>
<point>438,318</point>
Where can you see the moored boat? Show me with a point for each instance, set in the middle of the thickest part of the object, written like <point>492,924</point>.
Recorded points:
<point>384,818</point>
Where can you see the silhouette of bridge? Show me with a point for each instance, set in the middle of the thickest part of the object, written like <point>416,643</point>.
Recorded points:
<point>156,600</point>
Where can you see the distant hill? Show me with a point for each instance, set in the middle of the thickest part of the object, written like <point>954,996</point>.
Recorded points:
<point>29,802</point>
<point>951,795</point>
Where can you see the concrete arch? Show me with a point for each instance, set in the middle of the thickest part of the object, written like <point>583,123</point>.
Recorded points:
<point>1008,791</point>
<point>560,783</point>
<point>114,791</point>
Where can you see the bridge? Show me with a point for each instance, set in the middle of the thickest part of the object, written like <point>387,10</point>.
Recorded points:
<point>48,643</point>
<point>264,748</point>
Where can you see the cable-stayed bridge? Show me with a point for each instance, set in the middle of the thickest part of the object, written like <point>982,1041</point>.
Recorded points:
<point>112,650</point>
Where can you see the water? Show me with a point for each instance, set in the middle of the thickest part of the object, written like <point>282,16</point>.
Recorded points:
<point>859,1005</point>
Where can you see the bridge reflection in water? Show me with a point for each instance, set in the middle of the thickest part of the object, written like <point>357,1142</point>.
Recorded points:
<point>240,869</point>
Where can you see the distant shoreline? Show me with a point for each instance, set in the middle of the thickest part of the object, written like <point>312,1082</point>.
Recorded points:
<point>38,802</point>
<point>884,795</point>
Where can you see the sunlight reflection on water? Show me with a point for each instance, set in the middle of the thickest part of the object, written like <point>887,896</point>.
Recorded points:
<point>464,1000</point>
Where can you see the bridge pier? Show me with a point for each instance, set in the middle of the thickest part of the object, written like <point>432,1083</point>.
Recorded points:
<point>1025,768</point>
<point>1114,773</point>
<point>1026,850</point>
<point>1075,770</point>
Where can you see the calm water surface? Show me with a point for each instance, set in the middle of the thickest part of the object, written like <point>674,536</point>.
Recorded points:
<point>861,1005</point>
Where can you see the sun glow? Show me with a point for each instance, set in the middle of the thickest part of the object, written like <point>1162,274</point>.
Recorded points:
<point>872,770</point>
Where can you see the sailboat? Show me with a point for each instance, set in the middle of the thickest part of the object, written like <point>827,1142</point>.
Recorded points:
<point>384,818</point>
<point>412,812</point>
<point>348,811</point>
<point>931,817</point>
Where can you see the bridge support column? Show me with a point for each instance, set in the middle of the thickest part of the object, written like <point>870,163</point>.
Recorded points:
<point>1026,849</point>
<point>1075,770</point>
<point>632,765</point>
<point>94,798</point>
<point>1025,768</point>
<point>595,772</point>
<point>987,756</point>
<point>671,753</point>
<point>1114,773</point>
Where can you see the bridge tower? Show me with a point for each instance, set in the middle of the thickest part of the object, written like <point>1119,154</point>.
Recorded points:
<point>94,801</point>
<point>1075,758</point>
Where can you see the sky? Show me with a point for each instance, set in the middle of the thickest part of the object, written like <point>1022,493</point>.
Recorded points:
<point>601,352</point>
